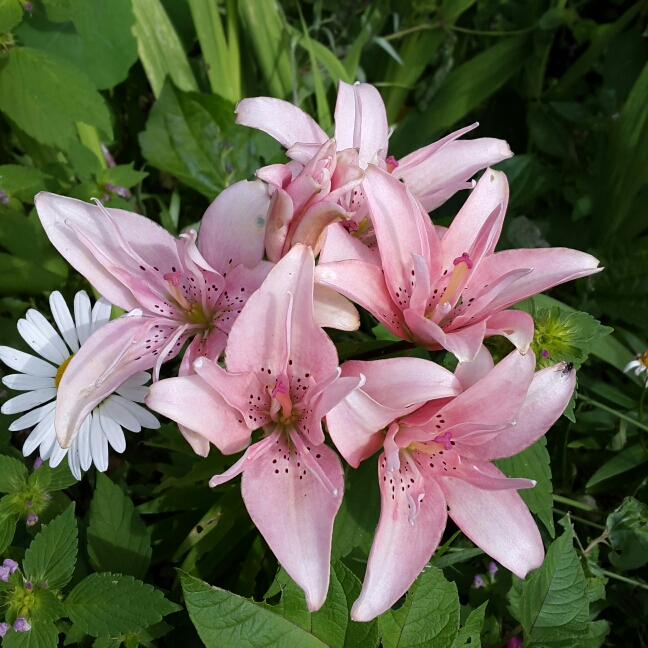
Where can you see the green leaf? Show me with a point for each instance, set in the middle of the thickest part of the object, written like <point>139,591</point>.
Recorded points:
<point>60,477</point>
<point>470,634</point>
<point>122,175</point>
<point>109,605</point>
<point>21,182</point>
<point>159,47</point>
<point>99,41</point>
<point>554,606</point>
<point>51,557</point>
<point>118,540</point>
<point>455,556</point>
<point>42,635</point>
<point>626,460</point>
<point>22,276</point>
<point>45,96</point>
<point>533,463</point>
<point>13,474</point>
<point>628,532</point>
<point>464,89</point>
<point>222,619</point>
<point>193,137</point>
<point>11,13</point>
<point>7,530</point>
<point>428,617</point>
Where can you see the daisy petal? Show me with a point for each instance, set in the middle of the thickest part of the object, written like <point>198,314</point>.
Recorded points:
<point>26,363</point>
<point>58,454</point>
<point>121,415</point>
<point>25,382</point>
<point>112,430</point>
<point>82,315</point>
<point>143,416</point>
<point>32,418</point>
<point>100,314</point>
<point>73,459</point>
<point>85,454</point>
<point>28,400</point>
<point>136,394</point>
<point>63,319</point>
<point>49,333</point>
<point>40,433</point>
<point>98,444</point>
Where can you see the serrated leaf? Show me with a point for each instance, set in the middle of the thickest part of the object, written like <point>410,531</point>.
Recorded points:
<point>45,96</point>
<point>109,605</point>
<point>554,606</point>
<point>7,530</point>
<point>47,606</point>
<point>470,634</point>
<point>533,463</point>
<point>51,556</point>
<point>222,619</point>
<point>428,617</point>
<point>122,175</point>
<point>118,540</point>
<point>22,182</point>
<point>99,40</point>
<point>13,474</point>
<point>43,635</point>
<point>60,477</point>
<point>628,533</point>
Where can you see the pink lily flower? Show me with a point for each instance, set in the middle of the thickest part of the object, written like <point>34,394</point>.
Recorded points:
<point>176,289</point>
<point>439,458</point>
<point>281,375</point>
<point>445,289</point>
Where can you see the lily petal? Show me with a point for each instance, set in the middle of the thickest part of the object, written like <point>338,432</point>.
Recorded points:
<point>516,326</point>
<point>469,373</point>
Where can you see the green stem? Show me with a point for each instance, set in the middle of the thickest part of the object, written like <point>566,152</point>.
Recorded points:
<point>630,581</point>
<point>574,503</point>
<point>625,417</point>
<point>579,519</point>
<point>479,32</point>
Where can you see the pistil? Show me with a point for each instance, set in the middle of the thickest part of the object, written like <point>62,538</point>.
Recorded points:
<point>173,279</point>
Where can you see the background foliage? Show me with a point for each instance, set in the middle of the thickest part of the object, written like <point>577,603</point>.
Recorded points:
<point>131,101</point>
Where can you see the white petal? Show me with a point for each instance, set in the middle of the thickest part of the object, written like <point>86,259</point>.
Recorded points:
<point>47,447</point>
<point>143,416</point>
<point>631,365</point>
<point>82,315</point>
<point>120,414</point>
<point>58,454</point>
<point>49,332</point>
<point>32,418</point>
<point>100,314</point>
<point>135,394</point>
<point>138,379</point>
<point>112,430</point>
<point>28,400</point>
<point>63,319</point>
<point>26,363</point>
<point>44,430</point>
<point>73,459</point>
<point>98,444</point>
<point>25,382</point>
<point>85,455</point>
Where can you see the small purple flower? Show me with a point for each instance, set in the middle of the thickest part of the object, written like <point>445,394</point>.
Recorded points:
<point>3,197</point>
<point>38,463</point>
<point>514,643</point>
<point>492,569</point>
<point>28,6</point>
<point>8,567</point>
<point>30,504</point>
<point>44,585</point>
<point>22,625</point>
<point>120,191</point>
<point>3,629</point>
<point>31,519</point>
<point>545,353</point>
<point>29,586</point>
<point>478,582</point>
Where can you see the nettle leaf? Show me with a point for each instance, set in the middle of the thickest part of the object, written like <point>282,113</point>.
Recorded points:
<point>470,634</point>
<point>8,524</point>
<point>42,635</point>
<point>533,463</point>
<point>45,96</point>
<point>51,557</point>
<point>118,540</point>
<point>122,175</point>
<point>13,474</point>
<point>194,137</point>
<point>11,13</point>
<point>109,605</point>
<point>628,533</point>
<point>554,606</point>
<point>60,477</point>
<point>21,182</point>
<point>428,617</point>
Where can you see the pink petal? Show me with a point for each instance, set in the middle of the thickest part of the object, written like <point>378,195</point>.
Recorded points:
<point>108,358</point>
<point>278,175</point>
<point>490,193</point>
<point>332,310</point>
<point>295,513</point>
<point>364,283</point>
<point>400,550</point>
<point>477,473</point>
<point>517,326</point>
<point>280,119</point>
<point>498,522</point>
<point>551,266</point>
<point>342,246</point>
<point>361,121</point>
<point>280,214</point>
<point>192,403</point>
<point>314,222</point>
<point>546,400</point>
<point>469,373</point>
<point>233,227</point>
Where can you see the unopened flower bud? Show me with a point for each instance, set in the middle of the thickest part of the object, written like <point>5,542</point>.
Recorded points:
<point>492,568</point>
<point>514,643</point>
<point>478,582</point>
<point>31,520</point>
<point>29,586</point>
<point>38,463</point>
<point>22,625</point>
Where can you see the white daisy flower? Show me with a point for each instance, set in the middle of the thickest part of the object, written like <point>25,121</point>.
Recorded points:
<point>639,364</point>
<point>39,379</point>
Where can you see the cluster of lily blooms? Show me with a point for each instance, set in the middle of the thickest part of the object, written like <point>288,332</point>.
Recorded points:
<point>249,287</point>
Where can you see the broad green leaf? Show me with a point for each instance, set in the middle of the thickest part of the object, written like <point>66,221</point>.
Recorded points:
<point>533,463</point>
<point>60,477</point>
<point>7,530</point>
<point>22,276</point>
<point>193,137</point>
<point>118,540</point>
<point>628,533</point>
<point>99,41</point>
<point>109,605</point>
<point>13,474</point>
<point>464,89</point>
<point>554,605</point>
<point>22,182</point>
<point>42,635</point>
<point>11,13</point>
<point>470,634</point>
<point>45,96</point>
<point>122,175</point>
<point>222,619</point>
<point>51,557</point>
<point>597,631</point>
<point>159,48</point>
<point>626,460</point>
<point>455,556</point>
<point>263,23</point>
<point>428,617</point>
